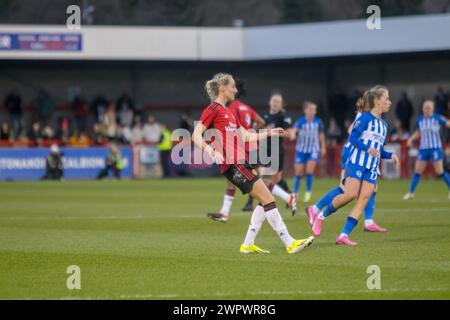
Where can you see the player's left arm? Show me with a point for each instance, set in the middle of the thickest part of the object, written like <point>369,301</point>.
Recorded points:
<point>289,131</point>
<point>390,156</point>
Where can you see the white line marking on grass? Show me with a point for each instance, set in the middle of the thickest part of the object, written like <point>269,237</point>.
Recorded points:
<point>95,218</point>
<point>22,218</point>
<point>248,294</point>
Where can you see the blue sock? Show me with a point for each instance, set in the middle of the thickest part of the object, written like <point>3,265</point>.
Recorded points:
<point>415,181</point>
<point>329,197</point>
<point>297,182</point>
<point>370,207</point>
<point>446,179</point>
<point>349,225</point>
<point>329,210</point>
<point>309,182</point>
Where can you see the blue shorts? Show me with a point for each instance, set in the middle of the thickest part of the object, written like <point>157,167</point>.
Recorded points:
<point>361,173</point>
<point>302,157</point>
<point>434,155</point>
<point>344,156</point>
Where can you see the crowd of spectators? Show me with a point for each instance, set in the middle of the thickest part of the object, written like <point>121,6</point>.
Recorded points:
<point>83,124</point>
<point>103,121</point>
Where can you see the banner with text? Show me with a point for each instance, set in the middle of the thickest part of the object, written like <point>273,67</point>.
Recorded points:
<point>79,163</point>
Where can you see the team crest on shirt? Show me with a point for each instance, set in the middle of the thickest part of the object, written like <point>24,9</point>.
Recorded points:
<point>356,123</point>
<point>232,127</point>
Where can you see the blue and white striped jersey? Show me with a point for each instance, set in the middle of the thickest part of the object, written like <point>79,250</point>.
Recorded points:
<point>308,135</point>
<point>372,133</point>
<point>358,115</point>
<point>430,137</point>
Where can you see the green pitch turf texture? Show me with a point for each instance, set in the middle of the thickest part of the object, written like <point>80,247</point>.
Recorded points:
<point>152,240</point>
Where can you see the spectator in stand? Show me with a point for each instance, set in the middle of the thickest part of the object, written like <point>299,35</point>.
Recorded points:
<point>99,135</point>
<point>405,111</point>
<point>137,132</point>
<point>35,135</point>
<point>152,130</point>
<point>13,103</point>
<point>48,135</point>
<point>441,101</point>
<point>80,140</point>
<point>54,164</point>
<point>448,104</point>
<point>6,132</point>
<point>399,134</point>
<point>110,123</point>
<point>63,132</point>
<point>45,106</point>
<point>338,107</point>
<point>350,116</point>
<point>80,110</point>
<point>186,122</point>
<point>125,108</point>
<point>99,107</point>
<point>165,147</point>
<point>334,133</point>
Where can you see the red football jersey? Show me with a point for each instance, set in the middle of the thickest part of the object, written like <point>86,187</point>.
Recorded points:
<point>224,121</point>
<point>246,116</point>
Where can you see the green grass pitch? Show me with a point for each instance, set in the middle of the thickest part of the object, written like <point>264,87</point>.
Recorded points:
<point>152,240</point>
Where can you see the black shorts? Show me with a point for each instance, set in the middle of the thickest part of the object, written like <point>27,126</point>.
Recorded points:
<point>243,176</point>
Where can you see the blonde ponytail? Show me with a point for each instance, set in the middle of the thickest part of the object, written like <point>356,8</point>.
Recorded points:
<point>212,86</point>
<point>367,102</point>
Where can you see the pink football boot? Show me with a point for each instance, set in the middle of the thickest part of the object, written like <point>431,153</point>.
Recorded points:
<point>374,228</point>
<point>312,214</point>
<point>317,227</point>
<point>345,241</point>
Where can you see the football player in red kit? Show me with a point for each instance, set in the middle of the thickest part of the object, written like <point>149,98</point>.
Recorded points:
<point>249,119</point>
<point>232,159</point>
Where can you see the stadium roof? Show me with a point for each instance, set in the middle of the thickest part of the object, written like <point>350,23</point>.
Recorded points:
<point>325,39</point>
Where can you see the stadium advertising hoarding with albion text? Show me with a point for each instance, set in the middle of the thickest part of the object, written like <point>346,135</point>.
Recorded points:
<point>78,163</point>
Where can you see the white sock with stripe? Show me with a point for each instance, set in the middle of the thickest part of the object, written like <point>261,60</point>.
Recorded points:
<point>256,223</point>
<point>276,222</point>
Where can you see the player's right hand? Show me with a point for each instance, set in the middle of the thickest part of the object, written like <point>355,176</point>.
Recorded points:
<point>374,152</point>
<point>276,132</point>
<point>216,156</point>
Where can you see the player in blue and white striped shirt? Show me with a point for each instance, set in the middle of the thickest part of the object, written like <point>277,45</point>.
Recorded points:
<point>362,169</point>
<point>428,128</point>
<point>311,145</point>
<point>314,210</point>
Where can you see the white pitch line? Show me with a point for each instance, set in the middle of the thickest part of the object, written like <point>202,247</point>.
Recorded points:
<point>441,209</point>
<point>243,294</point>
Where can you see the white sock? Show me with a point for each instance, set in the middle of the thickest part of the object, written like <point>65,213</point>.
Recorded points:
<point>226,206</point>
<point>315,208</point>
<point>278,192</point>
<point>368,222</point>
<point>343,235</point>
<point>275,220</point>
<point>256,223</point>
